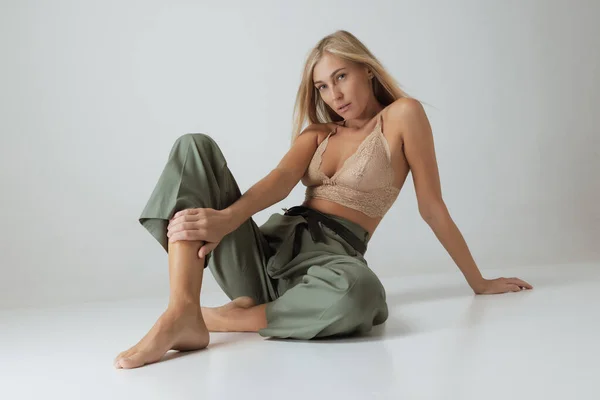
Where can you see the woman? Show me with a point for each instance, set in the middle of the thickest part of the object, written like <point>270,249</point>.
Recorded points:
<point>302,274</point>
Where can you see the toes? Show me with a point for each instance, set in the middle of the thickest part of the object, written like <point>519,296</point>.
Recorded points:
<point>121,355</point>
<point>128,363</point>
<point>135,360</point>
<point>125,354</point>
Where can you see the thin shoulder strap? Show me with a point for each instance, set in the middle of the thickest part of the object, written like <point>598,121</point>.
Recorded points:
<point>327,137</point>
<point>333,131</point>
<point>337,125</point>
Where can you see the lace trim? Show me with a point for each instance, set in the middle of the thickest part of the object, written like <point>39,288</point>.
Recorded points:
<point>374,204</point>
<point>358,153</point>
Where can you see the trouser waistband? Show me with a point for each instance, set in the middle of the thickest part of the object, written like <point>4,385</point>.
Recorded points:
<point>313,217</point>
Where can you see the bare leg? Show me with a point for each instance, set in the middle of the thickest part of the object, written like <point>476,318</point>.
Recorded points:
<point>181,326</point>
<point>240,315</point>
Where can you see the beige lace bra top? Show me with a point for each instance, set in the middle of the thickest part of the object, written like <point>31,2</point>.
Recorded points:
<point>365,180</point>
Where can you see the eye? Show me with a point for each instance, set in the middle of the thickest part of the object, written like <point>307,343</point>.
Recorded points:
<point>342,74</point>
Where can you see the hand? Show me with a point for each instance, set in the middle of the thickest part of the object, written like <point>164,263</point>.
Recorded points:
<point>205,224</point>
<point>500,285</point>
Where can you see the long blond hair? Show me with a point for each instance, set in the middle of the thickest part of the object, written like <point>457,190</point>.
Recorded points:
<point>345,45</point>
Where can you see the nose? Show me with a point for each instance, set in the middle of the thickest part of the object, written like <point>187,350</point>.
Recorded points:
<point>336,94</point>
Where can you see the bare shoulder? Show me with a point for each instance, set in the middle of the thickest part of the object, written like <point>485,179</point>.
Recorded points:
<point>319,130</point>
<point>406,104</point>
<point>406,110</point>
<point>403,114</point>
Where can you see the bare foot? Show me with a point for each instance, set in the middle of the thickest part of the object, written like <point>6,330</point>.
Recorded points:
<point>214,316</point>
<point>178,329</point>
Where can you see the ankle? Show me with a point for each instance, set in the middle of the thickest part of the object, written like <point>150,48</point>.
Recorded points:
<point>183,305</point>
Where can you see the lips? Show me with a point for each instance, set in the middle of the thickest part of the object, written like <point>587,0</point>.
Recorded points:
<point>342,106</point>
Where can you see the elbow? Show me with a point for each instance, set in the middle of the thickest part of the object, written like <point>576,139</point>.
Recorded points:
<point>434,211</point>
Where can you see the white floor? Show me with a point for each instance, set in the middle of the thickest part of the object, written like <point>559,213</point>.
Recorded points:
<point>440,342</point>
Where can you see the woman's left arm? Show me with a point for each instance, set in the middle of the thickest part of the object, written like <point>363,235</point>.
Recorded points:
<point>420,154</point>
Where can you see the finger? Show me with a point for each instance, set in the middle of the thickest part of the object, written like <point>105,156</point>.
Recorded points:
<point>184,218</point>
<point>184,235</point>
<point>521,283</point>
<point>177,220</point>
<point>514,288</point>
<point>173,229</point>
<point>173,222</point>
<point>204,250</point>
<point>187,211</point>
<point>178,236</point>
<point>183,226</point>
<point>179,213</point>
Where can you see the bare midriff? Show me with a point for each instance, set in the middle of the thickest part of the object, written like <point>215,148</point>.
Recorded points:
<point>329,207</point>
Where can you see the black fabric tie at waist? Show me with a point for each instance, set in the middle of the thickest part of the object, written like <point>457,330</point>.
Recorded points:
<point>313,217</point>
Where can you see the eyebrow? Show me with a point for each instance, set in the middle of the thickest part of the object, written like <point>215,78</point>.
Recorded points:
<point>332,74</point>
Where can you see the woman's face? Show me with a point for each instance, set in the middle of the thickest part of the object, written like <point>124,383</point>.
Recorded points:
<point>340,82</point>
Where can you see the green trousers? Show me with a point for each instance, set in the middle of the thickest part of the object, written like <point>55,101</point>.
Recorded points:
<point>326,289</point>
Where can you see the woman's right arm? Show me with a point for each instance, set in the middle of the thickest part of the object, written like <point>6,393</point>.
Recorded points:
<point>278,184</point>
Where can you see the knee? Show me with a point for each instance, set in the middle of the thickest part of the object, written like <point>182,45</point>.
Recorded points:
<point>357,291</point>
<point>195,138</point>
<point>364,293</point>
<point>357,309</point>
<point>200,143</point>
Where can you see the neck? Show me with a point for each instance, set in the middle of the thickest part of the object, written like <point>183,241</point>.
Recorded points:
<point>371,110</point>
